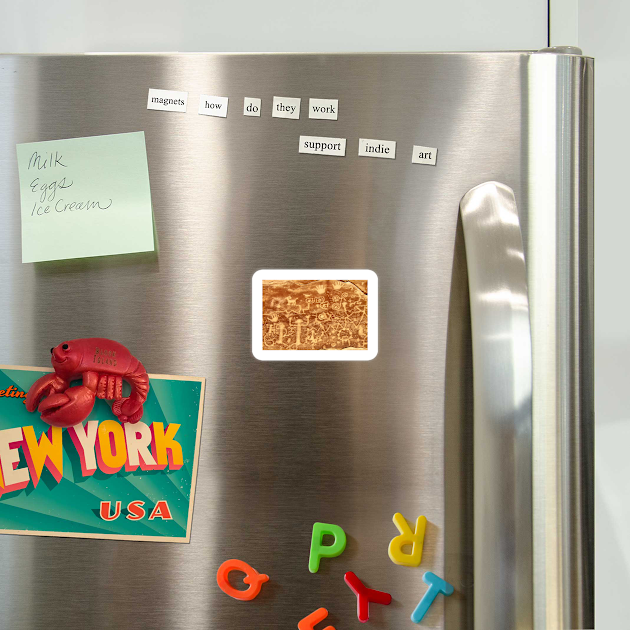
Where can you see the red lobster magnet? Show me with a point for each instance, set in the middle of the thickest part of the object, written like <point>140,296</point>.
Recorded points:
<point>102,364</point>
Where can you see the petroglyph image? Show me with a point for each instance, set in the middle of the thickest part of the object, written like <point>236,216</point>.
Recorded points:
<point>315,314</point>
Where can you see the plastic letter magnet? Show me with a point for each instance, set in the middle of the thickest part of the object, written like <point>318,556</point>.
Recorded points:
<point>407,537</point>
<point>436,586</point>
<point>319,551</point>
<point>252,577</point>
<point>365,596</point>
<point>308,623</point>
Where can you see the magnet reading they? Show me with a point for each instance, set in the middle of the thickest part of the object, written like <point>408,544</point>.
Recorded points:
<point>407,537</point>
<point>252,577</point>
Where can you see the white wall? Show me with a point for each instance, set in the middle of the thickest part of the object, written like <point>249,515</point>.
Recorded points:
<point>283,25</point>
<point>603,28</point>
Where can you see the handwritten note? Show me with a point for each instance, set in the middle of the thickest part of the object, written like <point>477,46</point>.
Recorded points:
<point>85,197</point>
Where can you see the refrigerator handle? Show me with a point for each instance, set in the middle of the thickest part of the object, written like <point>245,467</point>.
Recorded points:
<point>502,375</point>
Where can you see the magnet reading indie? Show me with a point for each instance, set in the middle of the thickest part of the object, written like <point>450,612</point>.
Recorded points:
<point>106,446</point>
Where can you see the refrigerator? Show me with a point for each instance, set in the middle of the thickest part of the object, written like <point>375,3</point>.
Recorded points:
<point>474,407</point>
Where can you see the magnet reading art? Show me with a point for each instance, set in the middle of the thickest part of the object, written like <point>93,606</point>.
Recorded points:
<point>315,314</point>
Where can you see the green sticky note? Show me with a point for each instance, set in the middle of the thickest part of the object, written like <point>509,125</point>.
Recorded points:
<point>85,197</point>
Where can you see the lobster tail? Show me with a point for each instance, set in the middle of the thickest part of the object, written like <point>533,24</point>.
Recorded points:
<point>130,409</point>
<point>139,381</point>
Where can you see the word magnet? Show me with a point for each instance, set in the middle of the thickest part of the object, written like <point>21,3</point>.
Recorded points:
<point>251,106</point>
<point>365,596</point>
<point>285,107</point>
<point>213,105</point>
<point>167,100</point>
<point>407,537</point>
<point>319,550</point>
<point>252,577</point>
<point>323,108</point>
<point>424,155</point>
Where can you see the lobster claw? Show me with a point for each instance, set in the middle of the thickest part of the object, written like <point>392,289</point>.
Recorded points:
<point>43,386</point>
<point>68,408</point>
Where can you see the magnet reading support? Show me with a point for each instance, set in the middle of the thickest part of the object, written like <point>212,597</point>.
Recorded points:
<point>407,537</point>
<point>436,586</point>
<point>319,551</point>
<point>252,577</point>
<point>308,623</point>
<point>365,596</point>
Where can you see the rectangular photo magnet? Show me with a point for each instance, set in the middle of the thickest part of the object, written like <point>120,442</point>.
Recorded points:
<point>314,315</point>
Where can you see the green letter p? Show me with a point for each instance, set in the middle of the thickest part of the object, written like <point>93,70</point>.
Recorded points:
<point>319,551</point>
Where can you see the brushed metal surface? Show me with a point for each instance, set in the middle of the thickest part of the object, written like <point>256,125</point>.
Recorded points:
<point>560,274</point>
<point>284,444</point>
<point>502,372</point>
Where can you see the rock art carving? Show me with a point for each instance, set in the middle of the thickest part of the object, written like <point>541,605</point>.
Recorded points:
<point>337,318</point>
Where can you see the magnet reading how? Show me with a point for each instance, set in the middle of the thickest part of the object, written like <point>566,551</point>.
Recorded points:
<point>213,105</point>
<point>436,586</point>
<point>407,537</point>
<point>319,550</point>
<point>377,148</point>
<point>252,577</point>
<point>285,107</point>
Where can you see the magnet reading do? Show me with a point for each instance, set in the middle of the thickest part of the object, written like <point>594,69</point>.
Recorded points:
<point>251,106</point>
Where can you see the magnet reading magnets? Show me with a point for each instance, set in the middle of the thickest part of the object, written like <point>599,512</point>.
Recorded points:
<point>102,364</point>
<point>252,577</point>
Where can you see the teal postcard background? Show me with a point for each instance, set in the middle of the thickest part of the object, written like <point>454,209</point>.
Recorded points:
<point>72,505</point>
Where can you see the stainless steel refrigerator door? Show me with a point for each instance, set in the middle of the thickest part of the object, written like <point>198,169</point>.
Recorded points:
<point>290,443</point>
<point>502,375</point>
